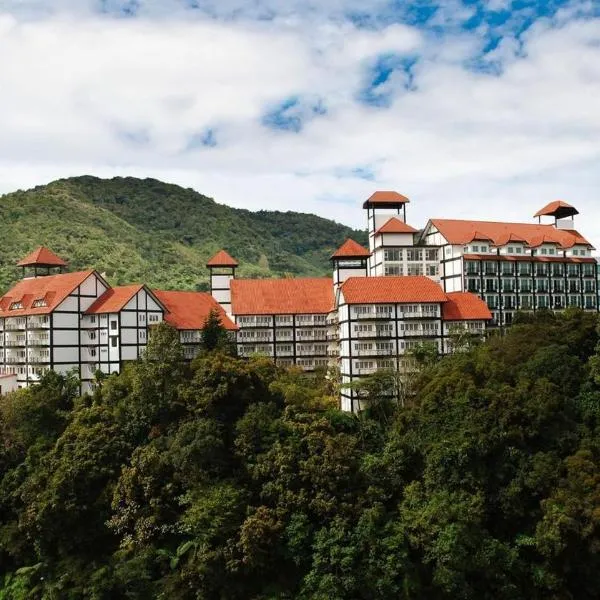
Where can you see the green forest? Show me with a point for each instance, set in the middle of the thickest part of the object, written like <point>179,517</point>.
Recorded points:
<point>147,231</point>
<point>233,479</point>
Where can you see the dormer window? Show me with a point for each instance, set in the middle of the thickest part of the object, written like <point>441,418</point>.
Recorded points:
<point>39,303</point>
<point>484,248</point>
<point>519,250</point>
<point>16,306</point>
<point>511,250</point>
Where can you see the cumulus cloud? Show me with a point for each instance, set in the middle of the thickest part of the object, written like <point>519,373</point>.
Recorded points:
<point>272,104</point>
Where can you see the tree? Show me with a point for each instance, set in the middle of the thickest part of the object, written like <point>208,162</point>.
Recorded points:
<point>214,336</point>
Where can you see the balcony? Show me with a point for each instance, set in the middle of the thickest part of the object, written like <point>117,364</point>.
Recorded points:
<point>14,326</point>
<point>38,358</point>
<point>38,323</point>
<point>38,340</point>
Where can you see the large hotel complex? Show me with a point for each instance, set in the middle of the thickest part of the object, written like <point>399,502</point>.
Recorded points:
<point>410,287</point>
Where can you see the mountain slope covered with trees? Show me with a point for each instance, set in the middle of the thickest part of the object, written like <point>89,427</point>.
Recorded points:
<point>144,230</point>
<point>236,480</point>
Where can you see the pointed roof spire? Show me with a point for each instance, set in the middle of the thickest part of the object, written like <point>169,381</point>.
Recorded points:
<point>351,249</point>
<point>42,257</point>
<point>222,259</point>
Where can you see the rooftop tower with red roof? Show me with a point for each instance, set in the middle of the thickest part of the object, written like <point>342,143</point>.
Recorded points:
<point>349,260</point>
<point>562,212</point>
<point>222,268</point>
<point>380,207</point>
<point>43,262</point>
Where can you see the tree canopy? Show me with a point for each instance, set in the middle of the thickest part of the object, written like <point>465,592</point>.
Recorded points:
<point>234,479</point>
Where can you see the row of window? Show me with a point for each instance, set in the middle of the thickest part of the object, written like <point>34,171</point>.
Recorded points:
<point>429,269</point>
<point>525,268</point>
<point>410,254</point>
<point>528,285</point>
<point>533,302</point>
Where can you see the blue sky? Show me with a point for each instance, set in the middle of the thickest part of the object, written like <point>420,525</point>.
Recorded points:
<point>482,109</point>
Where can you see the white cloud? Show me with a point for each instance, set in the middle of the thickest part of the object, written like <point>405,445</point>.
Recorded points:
<point>88,93</point>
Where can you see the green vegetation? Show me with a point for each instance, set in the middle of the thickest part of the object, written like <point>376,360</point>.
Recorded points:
<point>235,480</point>
<point>148,231</point>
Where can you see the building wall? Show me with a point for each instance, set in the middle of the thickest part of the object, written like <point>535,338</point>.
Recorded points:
<point>299,339</point>
<point>380,336</point>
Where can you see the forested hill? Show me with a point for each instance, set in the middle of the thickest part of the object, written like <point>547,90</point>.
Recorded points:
<point>144,230</point>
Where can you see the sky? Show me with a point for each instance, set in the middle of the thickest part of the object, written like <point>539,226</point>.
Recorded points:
<point>472,109</point>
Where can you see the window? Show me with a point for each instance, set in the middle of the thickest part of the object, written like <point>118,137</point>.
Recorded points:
<point>92,351</point>
<point>16,306</point>
<point>92,335</point>
<point>142,318</point>
<point>113,341</point>
<point>415,269</point>
<point>394,270</point>
<point>431,270</point>
<point>113,325</point>
<point>431,254</point>
<point>142,335</point>
<point>93,319</point>
<point>393,254</point>
<point>152,318</point>
<point>39,303</point>
<point>415,254</point>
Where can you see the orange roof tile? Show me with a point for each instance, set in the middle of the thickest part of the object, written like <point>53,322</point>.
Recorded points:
<point>395,225</point>
<point>463,306</point>
<point>395,290</point>
<point>385,198</point>
<point>189,310</point>
<point>462,232</point>
<point>53,289</point>
<point>281,296</point>
<point>114,299</point>
<point>42,257</point>
<point>222,259</point>
<point>351,249</point>
<point>557,208</point>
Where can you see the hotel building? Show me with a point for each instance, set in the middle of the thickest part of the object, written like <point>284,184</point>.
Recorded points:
<point>410,287</point>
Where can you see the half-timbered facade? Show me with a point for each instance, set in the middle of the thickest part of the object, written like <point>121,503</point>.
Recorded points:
<point>382,320</point>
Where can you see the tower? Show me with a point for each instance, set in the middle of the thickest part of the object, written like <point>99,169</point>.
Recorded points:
<point>380,207</point>
<point>563,213</point>
<point>43,262</point>
<point>222,270</point>
<point>349,260</point>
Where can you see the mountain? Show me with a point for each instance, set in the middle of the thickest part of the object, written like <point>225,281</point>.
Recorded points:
<point>144,230</point>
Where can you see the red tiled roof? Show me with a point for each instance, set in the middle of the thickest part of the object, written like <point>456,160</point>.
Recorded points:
<point>53,289</point>
<point>395,225</point>
<point>463,306</point>
<point>281,296</point>
<point>42,257</point>
<point>555,208</point>
<point>114,299</point>
<point>189,310</point>
<point>463,232</point>
<point>395,290</point>
<point>386,198</point>
<point>351,249</point>
<point>222,259</point>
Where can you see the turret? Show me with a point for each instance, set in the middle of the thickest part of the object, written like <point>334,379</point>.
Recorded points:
<point>222,270</point>
<point>562,212</point>
<point>349,260</point>
<point>380,207</point>
<point>43,262</point>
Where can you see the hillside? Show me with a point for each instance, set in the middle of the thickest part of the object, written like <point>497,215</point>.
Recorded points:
<point>162,234</point>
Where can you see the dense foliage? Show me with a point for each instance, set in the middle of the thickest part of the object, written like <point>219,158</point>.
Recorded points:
<point>232,479</point>
<point>166,232</point>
